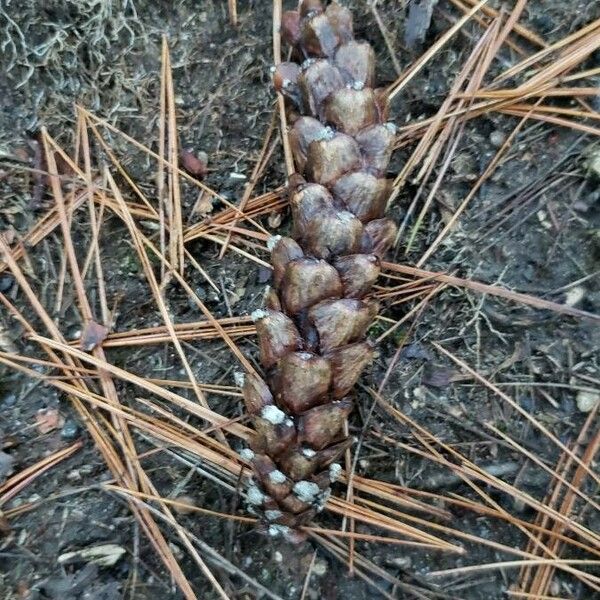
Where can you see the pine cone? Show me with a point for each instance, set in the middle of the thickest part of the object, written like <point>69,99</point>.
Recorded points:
<point>312,333</point>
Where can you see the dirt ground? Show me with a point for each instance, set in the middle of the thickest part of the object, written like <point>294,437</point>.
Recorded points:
<point>534,227</point>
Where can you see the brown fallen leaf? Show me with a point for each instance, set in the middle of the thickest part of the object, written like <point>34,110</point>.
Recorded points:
<point>48,419</point>
<point>93,335</point>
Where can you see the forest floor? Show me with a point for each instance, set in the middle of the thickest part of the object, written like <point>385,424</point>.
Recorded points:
<point>476,424</point>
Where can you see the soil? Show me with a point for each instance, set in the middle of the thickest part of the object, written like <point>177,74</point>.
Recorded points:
<point>533,227</point>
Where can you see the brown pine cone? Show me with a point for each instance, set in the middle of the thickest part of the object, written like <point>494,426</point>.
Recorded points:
<point>312,332</point>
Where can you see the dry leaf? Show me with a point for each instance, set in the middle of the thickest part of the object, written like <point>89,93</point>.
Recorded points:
<point>48,419</point>
<point>93,335</point>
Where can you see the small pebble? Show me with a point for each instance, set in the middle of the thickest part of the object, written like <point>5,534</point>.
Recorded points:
<point>70,430</point>
<point>74,475</point>
<point>320,568</point>
<point>420,393</point>
<point>6,282</point>
<point>201,293</point>
<point>237,176</point>
<point>402,562</point>
<point>177,551</point>
<point>587,401</point>
<point>542,216</point>
<point>497,138</point>
<point>264,274</point>
<point>278,557</point>
<point>575,295</point>
<point>9,400</point>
